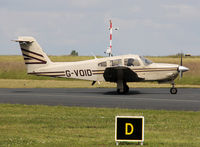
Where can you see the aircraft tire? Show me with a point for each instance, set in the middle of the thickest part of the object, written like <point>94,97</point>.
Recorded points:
<point>173,90</point>
<point>118,91</point>
<point>126,89</point>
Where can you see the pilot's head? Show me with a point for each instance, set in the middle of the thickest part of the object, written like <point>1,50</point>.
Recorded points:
<point>130,62</point>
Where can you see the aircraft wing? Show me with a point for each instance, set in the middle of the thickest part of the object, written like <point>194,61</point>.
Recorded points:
<point>114,74</point>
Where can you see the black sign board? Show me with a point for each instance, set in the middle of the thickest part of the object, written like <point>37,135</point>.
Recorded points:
<point>129,128</point>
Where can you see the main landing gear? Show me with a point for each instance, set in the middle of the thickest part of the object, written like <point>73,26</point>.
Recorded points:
<point>173,90</point>
<point>122,87</point>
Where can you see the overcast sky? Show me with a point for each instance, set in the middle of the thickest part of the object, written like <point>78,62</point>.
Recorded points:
<point>147,27</point>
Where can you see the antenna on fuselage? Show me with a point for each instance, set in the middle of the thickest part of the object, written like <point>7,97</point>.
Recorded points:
<point>109,49</point>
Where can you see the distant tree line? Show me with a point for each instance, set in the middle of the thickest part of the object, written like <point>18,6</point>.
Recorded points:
<point>74,53</point>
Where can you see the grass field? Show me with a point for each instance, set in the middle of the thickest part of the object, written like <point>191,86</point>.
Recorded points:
<point>22,125</point>
<point>13,67</point>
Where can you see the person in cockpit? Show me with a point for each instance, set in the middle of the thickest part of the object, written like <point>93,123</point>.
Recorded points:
<point>130,62</point>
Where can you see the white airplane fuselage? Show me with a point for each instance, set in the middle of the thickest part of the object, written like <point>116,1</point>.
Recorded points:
<point>91,70</point>
<point>119,69</point>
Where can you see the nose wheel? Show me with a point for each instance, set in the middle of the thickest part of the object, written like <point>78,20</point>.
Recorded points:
<point>173,90</point>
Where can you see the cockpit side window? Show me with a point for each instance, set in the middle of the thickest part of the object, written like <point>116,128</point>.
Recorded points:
<point>102,64</point>
<point>131,62</point>
<point>116,62</point>
<point>145,61</point>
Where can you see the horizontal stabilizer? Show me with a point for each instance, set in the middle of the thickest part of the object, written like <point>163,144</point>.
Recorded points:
<point>24,39</point>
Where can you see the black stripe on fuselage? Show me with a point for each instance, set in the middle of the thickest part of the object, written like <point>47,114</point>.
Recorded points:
<point>154,70</point>
<point>35,63</point>
<point>96,70</point>
<point>50,75</point>
<point>47,72</point>
<point>139,69</point>
<point>97,73</point>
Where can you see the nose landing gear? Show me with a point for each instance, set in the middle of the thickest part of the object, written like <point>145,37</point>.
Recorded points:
<point>173,90</point>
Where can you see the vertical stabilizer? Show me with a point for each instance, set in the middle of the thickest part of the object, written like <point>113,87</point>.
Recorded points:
<point>34,57</point>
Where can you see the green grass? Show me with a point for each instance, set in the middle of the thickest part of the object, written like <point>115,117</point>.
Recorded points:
<point>22,125</point>
<point>13,67</point>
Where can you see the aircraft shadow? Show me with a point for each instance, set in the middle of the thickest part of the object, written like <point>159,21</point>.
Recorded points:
<point>134,92</point>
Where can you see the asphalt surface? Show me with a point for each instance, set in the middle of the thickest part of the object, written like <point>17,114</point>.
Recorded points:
<point>138,98</point>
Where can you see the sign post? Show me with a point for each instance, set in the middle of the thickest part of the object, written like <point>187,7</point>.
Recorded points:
<point>129,129</point>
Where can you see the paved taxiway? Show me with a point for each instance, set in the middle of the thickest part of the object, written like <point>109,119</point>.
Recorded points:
<point>138,98</point>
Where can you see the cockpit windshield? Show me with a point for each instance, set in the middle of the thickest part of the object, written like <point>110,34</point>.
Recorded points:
<point>145,61</point>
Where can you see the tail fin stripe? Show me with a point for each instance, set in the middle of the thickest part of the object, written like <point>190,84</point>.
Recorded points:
<point>34,58</point>
<point>32,52</point>
<point>32,55</point>
<point>33,61</point>
<point>25,58</point>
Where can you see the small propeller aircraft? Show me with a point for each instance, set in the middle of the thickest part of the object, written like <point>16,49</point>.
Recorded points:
<point>118,69</point>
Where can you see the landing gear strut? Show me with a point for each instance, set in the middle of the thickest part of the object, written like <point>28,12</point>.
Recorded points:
<point>173,90</point>
<point>122,87</point>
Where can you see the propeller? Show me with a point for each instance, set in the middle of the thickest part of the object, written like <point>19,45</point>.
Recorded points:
<point>182,68</point>
<point>181,63</point>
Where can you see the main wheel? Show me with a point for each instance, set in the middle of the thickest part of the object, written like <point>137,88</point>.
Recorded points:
<point>118,91</point>
<point>126,88</point>
<point>173,90</point>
